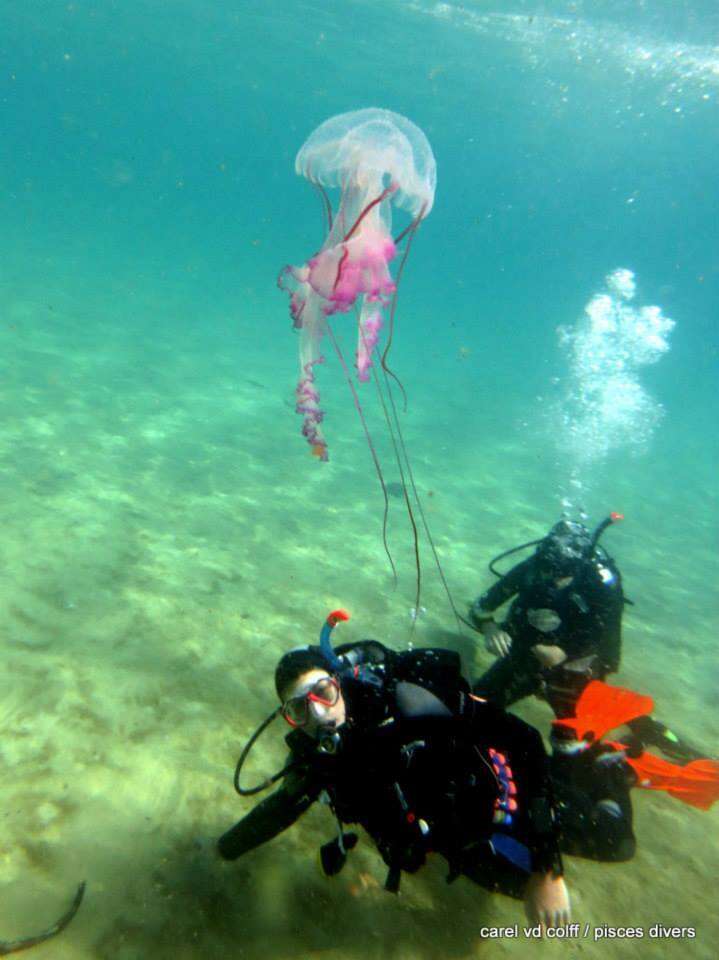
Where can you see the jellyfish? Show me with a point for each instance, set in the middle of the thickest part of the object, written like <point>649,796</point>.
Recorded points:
<point>378,160</point>
<point>381,163</point>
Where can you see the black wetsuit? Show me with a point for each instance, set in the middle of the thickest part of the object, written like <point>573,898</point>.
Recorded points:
<point>583,618</point>
<point>425,772</point>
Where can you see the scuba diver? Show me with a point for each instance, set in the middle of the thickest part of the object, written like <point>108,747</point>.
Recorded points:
<point>562,629</point>
<point>397,743</point>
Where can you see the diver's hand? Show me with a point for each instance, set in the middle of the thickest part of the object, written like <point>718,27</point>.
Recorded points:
<point>497,641</point>
<point>549,655</point>
<point>546,900</point>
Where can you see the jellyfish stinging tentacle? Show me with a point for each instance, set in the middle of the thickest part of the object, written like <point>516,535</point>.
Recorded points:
<point>308,404</point>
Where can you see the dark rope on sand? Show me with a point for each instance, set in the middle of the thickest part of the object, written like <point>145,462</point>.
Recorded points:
<point>13,946</point>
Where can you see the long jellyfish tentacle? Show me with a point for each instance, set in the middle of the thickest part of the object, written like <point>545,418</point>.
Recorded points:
<point>387,373</point>
<point>370,444</point>
<point>405,491</point>
<point>423,516</point>
<point>412,229</point>
<point>404,464</point>
<point>373,203</point>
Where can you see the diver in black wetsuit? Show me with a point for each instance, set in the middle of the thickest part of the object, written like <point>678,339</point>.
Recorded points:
<point>398,744</point>
<point>562,629</point>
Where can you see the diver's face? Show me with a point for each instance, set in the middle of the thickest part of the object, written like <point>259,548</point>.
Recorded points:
<point>551,570</point>
<point>315,703</point>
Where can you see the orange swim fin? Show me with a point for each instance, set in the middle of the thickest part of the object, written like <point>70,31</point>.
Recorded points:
<point>602,708</point>
<point>697,783</point>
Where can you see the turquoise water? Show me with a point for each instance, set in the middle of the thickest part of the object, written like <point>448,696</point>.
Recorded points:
<point>168,535</point>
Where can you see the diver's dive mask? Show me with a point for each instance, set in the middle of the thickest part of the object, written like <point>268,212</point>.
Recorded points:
<point>296,710</point>
<point>325,692</point>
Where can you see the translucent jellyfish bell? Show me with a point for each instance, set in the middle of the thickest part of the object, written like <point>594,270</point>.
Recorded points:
<point>371,149</point>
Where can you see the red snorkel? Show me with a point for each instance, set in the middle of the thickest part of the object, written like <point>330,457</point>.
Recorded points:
<point>613,517</point>
<point>335,617</point>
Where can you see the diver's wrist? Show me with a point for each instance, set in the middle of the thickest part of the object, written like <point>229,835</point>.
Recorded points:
<point>481,616</point>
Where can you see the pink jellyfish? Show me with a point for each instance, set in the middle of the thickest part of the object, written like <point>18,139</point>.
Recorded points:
<point>378,159</point>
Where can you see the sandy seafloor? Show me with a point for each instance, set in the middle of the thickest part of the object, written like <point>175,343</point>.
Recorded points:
<point>165,538</point>
<point>166,535</point>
